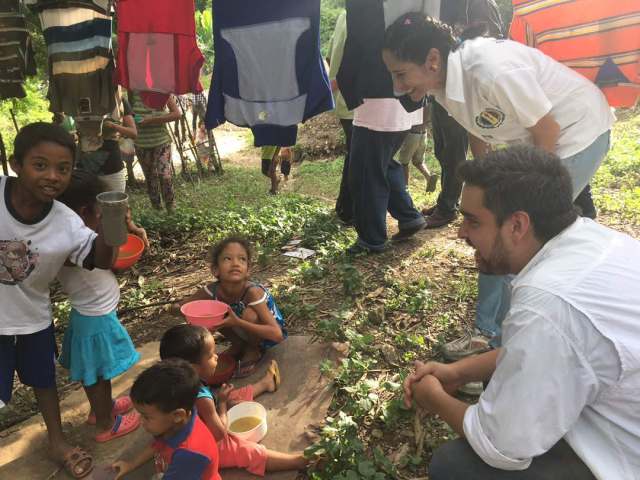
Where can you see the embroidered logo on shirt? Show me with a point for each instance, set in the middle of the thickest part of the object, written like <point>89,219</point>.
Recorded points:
<point>17,261</point>
<point>490,118</point>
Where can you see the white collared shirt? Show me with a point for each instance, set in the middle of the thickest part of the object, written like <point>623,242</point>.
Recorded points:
<point>570,363</point>
<point>496,89</point>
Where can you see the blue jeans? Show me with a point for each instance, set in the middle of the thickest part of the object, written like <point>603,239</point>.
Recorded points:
<point>377,184</point>
<point>494,295</point>
<point>494,299</point>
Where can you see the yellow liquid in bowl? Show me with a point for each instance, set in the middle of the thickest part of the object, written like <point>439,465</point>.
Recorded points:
<point>244,424</point>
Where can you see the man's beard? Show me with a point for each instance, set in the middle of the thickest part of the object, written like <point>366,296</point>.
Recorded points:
<point>497,263</point>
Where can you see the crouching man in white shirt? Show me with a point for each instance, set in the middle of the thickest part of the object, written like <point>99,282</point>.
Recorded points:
<point>563,398</point>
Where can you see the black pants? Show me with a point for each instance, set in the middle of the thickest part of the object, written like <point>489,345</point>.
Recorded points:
<point>344,202</point>
<point>585,201</point>
<point>456,460</point>
<point>377,185</point>
<point>450,145</point>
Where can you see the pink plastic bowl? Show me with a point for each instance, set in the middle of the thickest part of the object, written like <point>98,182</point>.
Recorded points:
<point>129,253</point>
<point>205,313</point>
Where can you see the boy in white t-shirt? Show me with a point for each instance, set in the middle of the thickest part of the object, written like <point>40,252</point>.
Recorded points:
<point>38,235</point>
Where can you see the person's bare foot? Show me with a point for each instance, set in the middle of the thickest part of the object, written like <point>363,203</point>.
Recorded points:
<point>271,379</point>
<point>249,361</point>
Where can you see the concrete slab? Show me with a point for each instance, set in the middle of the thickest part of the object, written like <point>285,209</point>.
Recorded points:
<point>27,443</point>
<point>302,400</point>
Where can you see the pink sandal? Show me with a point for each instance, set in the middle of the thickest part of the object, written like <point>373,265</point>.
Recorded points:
<point>122,425</point>
<point>120,405</point>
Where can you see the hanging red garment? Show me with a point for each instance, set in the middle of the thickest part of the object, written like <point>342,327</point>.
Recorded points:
<point>157,49</point>
<point>598,39</point>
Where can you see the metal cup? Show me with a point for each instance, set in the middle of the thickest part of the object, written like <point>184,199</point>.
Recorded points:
<point>113,207</point>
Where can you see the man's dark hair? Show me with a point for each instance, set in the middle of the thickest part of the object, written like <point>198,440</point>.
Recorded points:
<point>82,191</point>
<point>218,248</point>
<point>524,178</point>
<point>167,385</point>
<point>36,133</point>
<point>183,341</point>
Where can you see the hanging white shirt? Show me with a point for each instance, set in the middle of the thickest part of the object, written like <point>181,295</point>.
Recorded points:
<point>497,89</point>
<point>570,363</point>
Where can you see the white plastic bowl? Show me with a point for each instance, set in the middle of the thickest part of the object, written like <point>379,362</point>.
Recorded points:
<point>249,409</point>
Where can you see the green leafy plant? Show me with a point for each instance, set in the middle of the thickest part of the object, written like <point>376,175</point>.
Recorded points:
<point>344,455</point>
<point>351,278</point>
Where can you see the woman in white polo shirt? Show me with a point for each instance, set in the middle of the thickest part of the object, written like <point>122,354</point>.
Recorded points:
<point>502,92</point>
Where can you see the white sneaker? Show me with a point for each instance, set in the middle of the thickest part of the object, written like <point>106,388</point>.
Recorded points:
<point>468,344</point>
<point>473,389</point>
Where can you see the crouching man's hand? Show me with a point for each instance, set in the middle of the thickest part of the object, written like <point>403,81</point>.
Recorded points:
<point>446,374</point>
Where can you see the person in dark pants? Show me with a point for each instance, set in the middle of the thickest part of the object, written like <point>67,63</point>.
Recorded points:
<point>584,201</point>
<point>344,203</point>
<point>449,137</point>
<point>450,145</point>
<point>456,460</point>
<point>376,181</point>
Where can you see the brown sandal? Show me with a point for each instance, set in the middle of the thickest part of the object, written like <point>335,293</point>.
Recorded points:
<point>274,370</point>
<point>72,462</point>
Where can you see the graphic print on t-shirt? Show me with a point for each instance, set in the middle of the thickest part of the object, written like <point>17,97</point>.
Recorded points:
<point>17,261</point>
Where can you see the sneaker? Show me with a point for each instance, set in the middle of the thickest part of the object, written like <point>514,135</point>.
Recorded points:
<point>432,183</point>
<point>438,219</point>
<point>406,233</point>
<point>473,389</point>
<point>468,344</point>
<point>357,249</point>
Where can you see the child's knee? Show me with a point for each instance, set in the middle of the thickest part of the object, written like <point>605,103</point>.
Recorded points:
<point>250,315</point>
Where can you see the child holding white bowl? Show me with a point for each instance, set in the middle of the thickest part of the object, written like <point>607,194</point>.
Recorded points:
<point>197,346</point>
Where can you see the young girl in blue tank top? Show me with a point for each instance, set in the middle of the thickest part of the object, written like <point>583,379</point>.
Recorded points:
<point>254,322</point>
